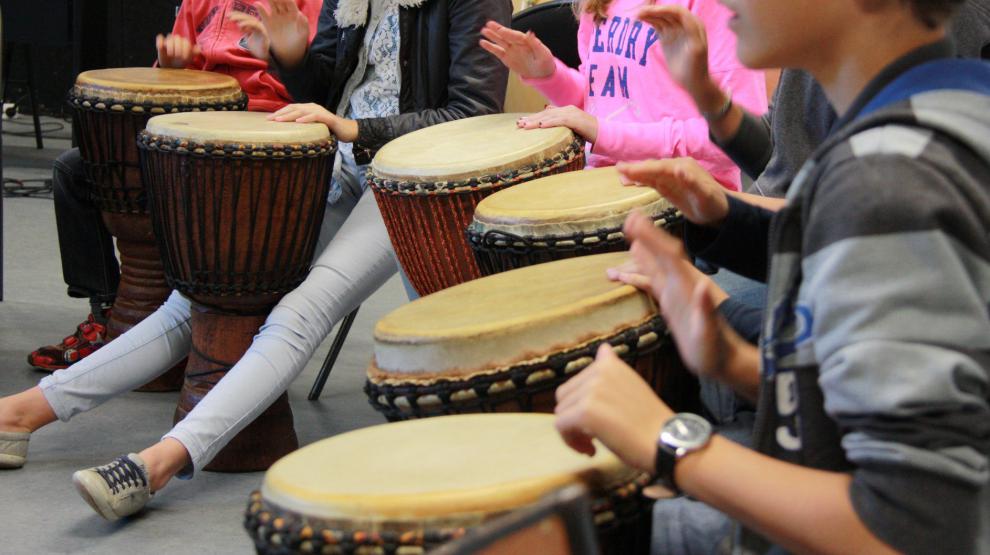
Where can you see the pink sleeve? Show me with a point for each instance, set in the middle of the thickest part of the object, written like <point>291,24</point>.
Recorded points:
<point>666,138</point>
<point>568,86</point>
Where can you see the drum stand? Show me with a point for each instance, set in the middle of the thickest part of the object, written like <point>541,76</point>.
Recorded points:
<point>338,343</point>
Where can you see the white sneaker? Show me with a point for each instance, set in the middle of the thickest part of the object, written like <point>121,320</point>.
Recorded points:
<point>13,449</point>
<point>117,489</point>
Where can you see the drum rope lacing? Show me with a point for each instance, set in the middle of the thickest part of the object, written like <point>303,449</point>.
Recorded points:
<point>102,104</point>
<point>104,141</point>
<point>393,186</point>
<point>193,202</point>
<point>398,401</point>
<point>277,530</point>
<point>498,251</point>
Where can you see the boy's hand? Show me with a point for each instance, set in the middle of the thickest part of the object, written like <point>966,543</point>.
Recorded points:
<point>345,130</point>
<point>687,298</point>
<point>610,402</point>
<point>522,53</point>
<point>175,51</point>
<point>581,122</point>
<point>690,188</point>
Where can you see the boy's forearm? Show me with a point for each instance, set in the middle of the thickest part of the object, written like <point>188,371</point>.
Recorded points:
<point>802,509</point>
<point>773,204</point>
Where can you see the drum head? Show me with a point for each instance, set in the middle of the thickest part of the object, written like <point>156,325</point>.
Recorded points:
<point>235,128</point>
<point>468,148</point>
<point>437,467</point>
<point>502,320</point>
<point>157,86</point>
<point>566,204</point>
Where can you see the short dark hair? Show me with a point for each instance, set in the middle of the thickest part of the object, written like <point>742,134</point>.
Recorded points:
<point>934,12</point>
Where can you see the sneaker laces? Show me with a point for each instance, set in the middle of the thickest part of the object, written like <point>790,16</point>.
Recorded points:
<point>122,473</point>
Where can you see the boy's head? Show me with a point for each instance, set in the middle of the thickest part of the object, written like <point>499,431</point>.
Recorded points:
<point>799,33</point>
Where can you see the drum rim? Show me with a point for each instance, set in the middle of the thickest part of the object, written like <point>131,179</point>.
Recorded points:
<point>80,101</point>
<point>147,141</point>
<point>482,239</point>
<point>391,186</point>
<point>270,524</point>
<point>530,376</point>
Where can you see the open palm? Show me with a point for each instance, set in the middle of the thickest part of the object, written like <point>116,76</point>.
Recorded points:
<point>287,29</point>
<point>684,42</point>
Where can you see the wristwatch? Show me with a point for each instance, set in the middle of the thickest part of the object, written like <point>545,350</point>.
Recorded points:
<point>682,434</point>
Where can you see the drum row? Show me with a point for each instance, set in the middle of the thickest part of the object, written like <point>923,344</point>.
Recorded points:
<point>225,207</point>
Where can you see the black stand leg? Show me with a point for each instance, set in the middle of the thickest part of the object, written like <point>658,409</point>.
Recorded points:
<point>338,343</point>
<point>34,103</point>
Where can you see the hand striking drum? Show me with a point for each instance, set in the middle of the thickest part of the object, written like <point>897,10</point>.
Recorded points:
<point>237,202</point>
<point>111,106</point>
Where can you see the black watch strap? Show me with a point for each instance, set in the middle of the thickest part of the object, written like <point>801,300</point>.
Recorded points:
<point>664,466</point>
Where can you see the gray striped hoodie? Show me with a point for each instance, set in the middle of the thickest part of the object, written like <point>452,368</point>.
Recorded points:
<point>876,341</point>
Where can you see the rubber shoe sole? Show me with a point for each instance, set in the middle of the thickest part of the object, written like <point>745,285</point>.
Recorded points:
<point>91,487</point>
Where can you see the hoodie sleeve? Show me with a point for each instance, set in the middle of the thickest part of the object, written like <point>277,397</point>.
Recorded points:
<point>897,261</point>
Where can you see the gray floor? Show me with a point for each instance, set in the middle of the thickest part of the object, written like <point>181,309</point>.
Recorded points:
<point>39,509</point>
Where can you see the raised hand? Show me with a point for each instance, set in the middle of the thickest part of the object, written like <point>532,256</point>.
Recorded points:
<point>609,401</point>
<point>175,51</point>
<point>255,33</point>
<point>287,30</point>
<point>687,299</point>
<point>579,121</point>
<point>522,53</point>
<point>685,184</point>
<point>684,42</point>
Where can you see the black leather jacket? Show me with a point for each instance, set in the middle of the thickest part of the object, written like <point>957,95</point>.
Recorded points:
<point>445,74</point>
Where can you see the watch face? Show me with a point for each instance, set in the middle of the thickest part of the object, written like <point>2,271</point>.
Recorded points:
<point>686,431</point>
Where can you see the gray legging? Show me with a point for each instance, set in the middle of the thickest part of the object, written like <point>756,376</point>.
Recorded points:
<point>356,260</point>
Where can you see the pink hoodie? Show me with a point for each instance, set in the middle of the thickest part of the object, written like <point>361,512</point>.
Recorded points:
<point>642,112</point>
<point>206,23</point>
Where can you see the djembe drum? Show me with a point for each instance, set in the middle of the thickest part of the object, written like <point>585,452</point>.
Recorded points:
<point>111,106</point>
<point>404,488</point>
<point>237,203</point>
<point>561,216</point>
<point>505,342</point>
<point>428,182</point>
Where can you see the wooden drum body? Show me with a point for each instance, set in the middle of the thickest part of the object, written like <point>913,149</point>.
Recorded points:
<point>505,342</point>
<point>110,108</point>
<point>237,202</point>
<point>428,182</point>
<point>561,216</point>
<point>408,487</point>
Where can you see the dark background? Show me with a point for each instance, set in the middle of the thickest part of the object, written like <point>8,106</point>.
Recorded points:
<point>69,36</point>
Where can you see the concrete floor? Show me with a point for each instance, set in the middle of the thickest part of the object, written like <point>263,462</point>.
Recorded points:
<point>40,511</point>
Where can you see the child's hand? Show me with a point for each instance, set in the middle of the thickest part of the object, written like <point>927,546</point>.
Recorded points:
<point>610,402</point>
<point>581,122</point>
<point>684,183</point>
<point>687,298</point>
<point>255,32</point>
<point>345,130</point>
<point>522,53</point>
<point>630,274</point>
<point>684,42</point>
<point>175,51</point>
<point>287,30</point>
